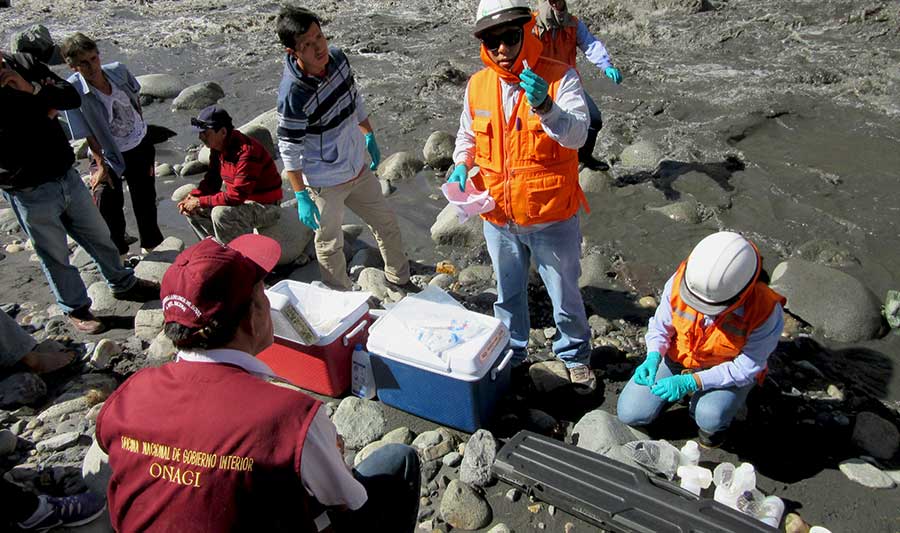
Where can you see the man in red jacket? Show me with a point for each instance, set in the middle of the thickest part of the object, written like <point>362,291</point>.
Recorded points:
<point>252,183</point>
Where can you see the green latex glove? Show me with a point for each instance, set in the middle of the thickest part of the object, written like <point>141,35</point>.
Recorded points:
<point>613,74</point>
<point>645,374</point>
<point>674,388</point>
<point>459,176</point>
<point>534,86</point>
<point>372,147</point>
<point>307,209</point>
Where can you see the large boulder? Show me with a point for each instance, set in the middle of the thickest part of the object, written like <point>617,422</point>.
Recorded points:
<point>594,181</point>
<point>481,450</point>
<point>36,40</point>
<point>20,389</point>
<point>399,167</point>
<point>438,150</point>
<point>877,436</point>
<point>162,86</point>
<point>642,154</point>
<point>447,230</point>
<point>464,508</point>
<point>262,135</point>
<point>359,422</point>
<point>291,234</point>
<point>603,433</point>
<point>838,305</point>
<point>95,470</point>
<point>182,192</point>
<point>198,96</point>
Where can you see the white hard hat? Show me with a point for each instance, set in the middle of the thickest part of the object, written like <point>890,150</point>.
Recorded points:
<point>496,12</point>
<point>719,268</point>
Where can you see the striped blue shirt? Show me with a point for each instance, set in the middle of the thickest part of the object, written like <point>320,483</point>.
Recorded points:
<point>318,122</point>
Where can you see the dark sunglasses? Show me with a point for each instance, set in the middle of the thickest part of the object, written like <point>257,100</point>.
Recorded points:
<point>202,124</point>
<point>510,37</point>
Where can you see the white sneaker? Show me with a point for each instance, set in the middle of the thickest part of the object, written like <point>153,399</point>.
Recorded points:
<point>583,379</point>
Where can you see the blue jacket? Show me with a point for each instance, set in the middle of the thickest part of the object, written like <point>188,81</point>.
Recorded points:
<point>92,118</point>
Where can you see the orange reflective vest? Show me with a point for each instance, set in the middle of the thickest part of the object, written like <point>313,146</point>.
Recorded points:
<point>532,178</point>
<point>698,347</point>
<point>561,44</point>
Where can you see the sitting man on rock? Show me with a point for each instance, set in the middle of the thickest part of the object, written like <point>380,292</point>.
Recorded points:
<point>111,120</point>
<point>523,120</point>
<point>710,337</point>
<point>323,134</point>
<point>214,441</point>
<point>47,195</point>
<point>252,183</point>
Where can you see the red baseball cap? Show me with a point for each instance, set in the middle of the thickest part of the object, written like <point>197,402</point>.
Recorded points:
<point>213,282</point>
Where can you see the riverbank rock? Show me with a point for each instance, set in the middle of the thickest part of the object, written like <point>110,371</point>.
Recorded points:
<point>359,421</point>
<point>194,168</point>
<point>21,388</point>
<point>161,86</point>
<point>686,211</point>
<point>8,442</point>
<point>603,433</point>
<point>549,375</point>
<point>835,303</point>
<point>594,181</point>
<point>438,150</point>
<point>95,470</point>
<point>161,350</point>
<point>198,96</point>
<point>104,352</point>
<point>149,321</point>
<point>473,274</point>
<point>877,436</point>
<point>8,221</point>
<point>399,167</point>
<point>262,135</point>
<point>36,40</point>
<point>434,444</point>
<point>447,230</point>
<point>826,252</point>
<point>643,154</point>
<point>182,192</point>
<point>866,474</point>
<point>463,508</point>
<point>481,450</point>
<point>291,234</point>
<point>101,296</point>
<point>373,280</point>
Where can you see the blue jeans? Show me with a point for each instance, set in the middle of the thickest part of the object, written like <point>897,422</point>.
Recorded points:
<point>713,409</point>
<point>47,213</point>
<point>556,250</point>
<point>14,341</point>
<point>391,478</point>
<point>587,150</point>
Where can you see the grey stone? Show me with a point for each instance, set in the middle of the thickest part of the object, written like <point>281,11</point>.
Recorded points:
<point>95,470</point>
<point>359,421</point>
<point>269,121</point>
<point>447,230</point>
<point>838,305</point>
<point>593,271</point>
<point>373,280</point>
<point>549,375</point>
<point>80,147</point>
<point>367,257</point>
<point>877,436</point>
<point>161,350</point>
<point>434,444</point>
<point>161,86</point>
<point>401,435</point>
<point>399,167</point>
<point>60,409</point>
<point>866,474</point>
<point>59,442</point>
<point>198,96</point>
<point>603,433</point>
<point>541,421</point>
<point>151,270</point>
<point>594,181</point>
<point>104,352</point>
<point>438,150</point>
<point>21,388</point>
<point>183,191</point>
<point>475,274</point>
<point>367,451</point>
<point>8,442</point>
<point>500,528</point>
<point>825,252</point>
<point>101,297</point>
<point>442,280</point>
<point>452,459</point>
<point>513,495</point>
<point>891,308</point>
<point>8,221</point>
<point>291,234</point>
<point>148,321</point>
<point>262,134</point>
<point>36,40</point>
<point>643,154</point>
<point>463,508</point>
<point>164,170</point>
<point>194,167</point>
<point>481,450</point>
<point>685,211</point>
<point>80,258</point>
<point>599,325</point>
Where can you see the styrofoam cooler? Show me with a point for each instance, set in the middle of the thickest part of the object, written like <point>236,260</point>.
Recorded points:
<point>458,387</point>
<point>322,367</point>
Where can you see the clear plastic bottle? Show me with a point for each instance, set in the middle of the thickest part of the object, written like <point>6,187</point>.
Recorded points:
<point>744,478</point>
<point>690,453</point>
<point>772,510</point>
<point>655,455</point>
<point>694,478</point>
<point>362,379</point>
<point>723,477</point>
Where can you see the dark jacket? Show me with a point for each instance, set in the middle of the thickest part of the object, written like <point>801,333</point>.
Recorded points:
<point>33,147</point>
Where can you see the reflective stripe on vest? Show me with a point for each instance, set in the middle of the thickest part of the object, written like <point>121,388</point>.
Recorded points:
<point>699,347</point>
<point>532,178</point>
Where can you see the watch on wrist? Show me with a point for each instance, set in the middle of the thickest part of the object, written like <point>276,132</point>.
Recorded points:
<point>37,87</point>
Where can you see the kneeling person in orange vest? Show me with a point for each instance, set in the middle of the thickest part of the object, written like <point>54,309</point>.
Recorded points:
<point>523,119</point>
<point>711,335</point>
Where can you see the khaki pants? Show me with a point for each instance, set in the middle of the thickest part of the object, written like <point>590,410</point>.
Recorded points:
<point>363,196</point>
<point>227,222</point>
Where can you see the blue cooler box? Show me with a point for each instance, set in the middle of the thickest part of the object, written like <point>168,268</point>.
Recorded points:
<point>457,387</point>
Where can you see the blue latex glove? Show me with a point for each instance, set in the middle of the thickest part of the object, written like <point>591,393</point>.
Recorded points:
<point>645,374</point>
<point>372,147</point>
<point>308,210</point>
<point>534,86</point>
<point>613,74</point>
<point>674,388</point>
<point>459,176</point>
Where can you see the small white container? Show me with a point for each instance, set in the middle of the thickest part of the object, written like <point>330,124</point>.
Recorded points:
<point>690,453</point>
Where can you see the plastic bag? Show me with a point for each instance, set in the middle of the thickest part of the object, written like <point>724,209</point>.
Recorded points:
<point>654,455</point>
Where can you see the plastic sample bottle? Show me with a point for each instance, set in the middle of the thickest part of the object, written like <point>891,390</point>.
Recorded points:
<point>694,478</point>
<point>690,453</point>
<point>362,381</point>
<point>723,477</point>
<point>772,510</point>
